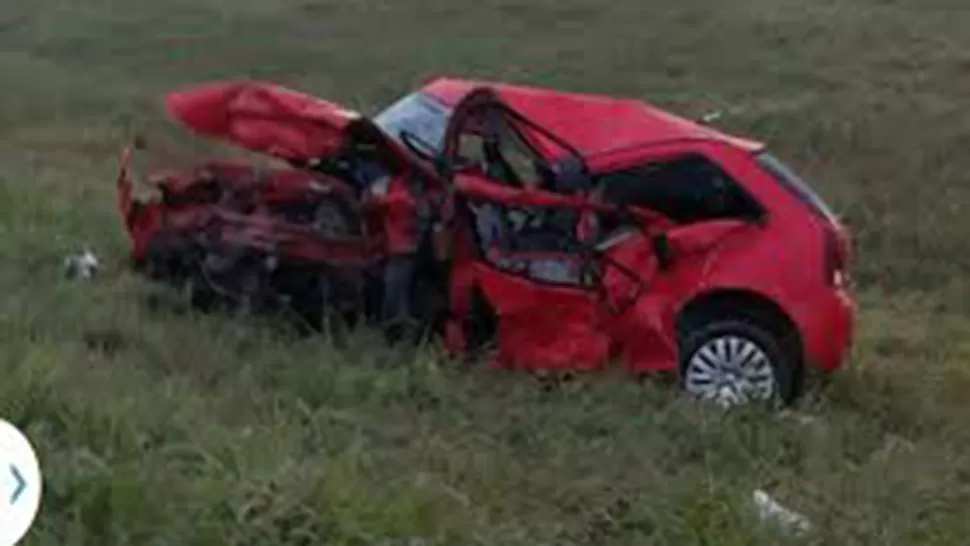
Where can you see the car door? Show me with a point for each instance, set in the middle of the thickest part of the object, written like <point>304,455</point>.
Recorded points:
<point>530,268</point>
<point>518,198</point>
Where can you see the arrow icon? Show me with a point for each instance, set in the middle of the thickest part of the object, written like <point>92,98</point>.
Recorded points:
<point>21,484</point>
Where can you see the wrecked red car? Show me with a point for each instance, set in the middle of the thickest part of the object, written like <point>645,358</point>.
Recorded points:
<point>561,231</point>
<point>313,233</point>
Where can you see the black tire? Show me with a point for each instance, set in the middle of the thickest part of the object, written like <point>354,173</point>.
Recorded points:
<point>782,358</point>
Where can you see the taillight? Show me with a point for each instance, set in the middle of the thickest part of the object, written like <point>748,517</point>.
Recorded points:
<point>838,250</point>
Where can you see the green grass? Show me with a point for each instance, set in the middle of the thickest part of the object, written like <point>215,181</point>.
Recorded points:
<point>205,430</point>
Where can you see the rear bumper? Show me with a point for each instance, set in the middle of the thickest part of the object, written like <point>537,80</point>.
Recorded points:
<point>829,332</point>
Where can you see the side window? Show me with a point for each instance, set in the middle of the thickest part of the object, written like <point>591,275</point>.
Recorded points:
<point>494,144</point>
<point>688,189</point>
<point>470,148</point>
<point>517,157</point>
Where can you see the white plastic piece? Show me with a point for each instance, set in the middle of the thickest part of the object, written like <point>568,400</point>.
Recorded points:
<point>82,266</point>
<point>769,510</point>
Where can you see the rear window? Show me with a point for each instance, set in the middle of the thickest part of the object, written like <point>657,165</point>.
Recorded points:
<point>798,187</point>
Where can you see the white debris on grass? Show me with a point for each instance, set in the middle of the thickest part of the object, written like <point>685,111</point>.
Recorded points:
<point>770,511</point>
<point>712,116</point>
<point>82,266</point>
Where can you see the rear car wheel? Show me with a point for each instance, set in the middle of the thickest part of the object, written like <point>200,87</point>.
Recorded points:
<point>734,362</point>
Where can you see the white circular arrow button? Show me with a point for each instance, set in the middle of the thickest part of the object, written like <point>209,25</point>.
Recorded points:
<point>20,485</point>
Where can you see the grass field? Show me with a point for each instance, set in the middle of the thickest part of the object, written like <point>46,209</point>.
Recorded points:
<point>185,430</point>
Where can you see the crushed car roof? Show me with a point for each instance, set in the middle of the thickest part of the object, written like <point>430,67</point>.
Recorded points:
<point>593,124</point>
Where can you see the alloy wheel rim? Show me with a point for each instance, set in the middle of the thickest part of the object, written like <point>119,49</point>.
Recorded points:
<point>730,371</point>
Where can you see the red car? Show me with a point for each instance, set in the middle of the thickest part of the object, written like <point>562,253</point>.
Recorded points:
<point>564,231</point>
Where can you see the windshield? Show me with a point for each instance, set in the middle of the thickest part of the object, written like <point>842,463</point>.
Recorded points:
<point>793,183</point>
<point>419,115</point>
